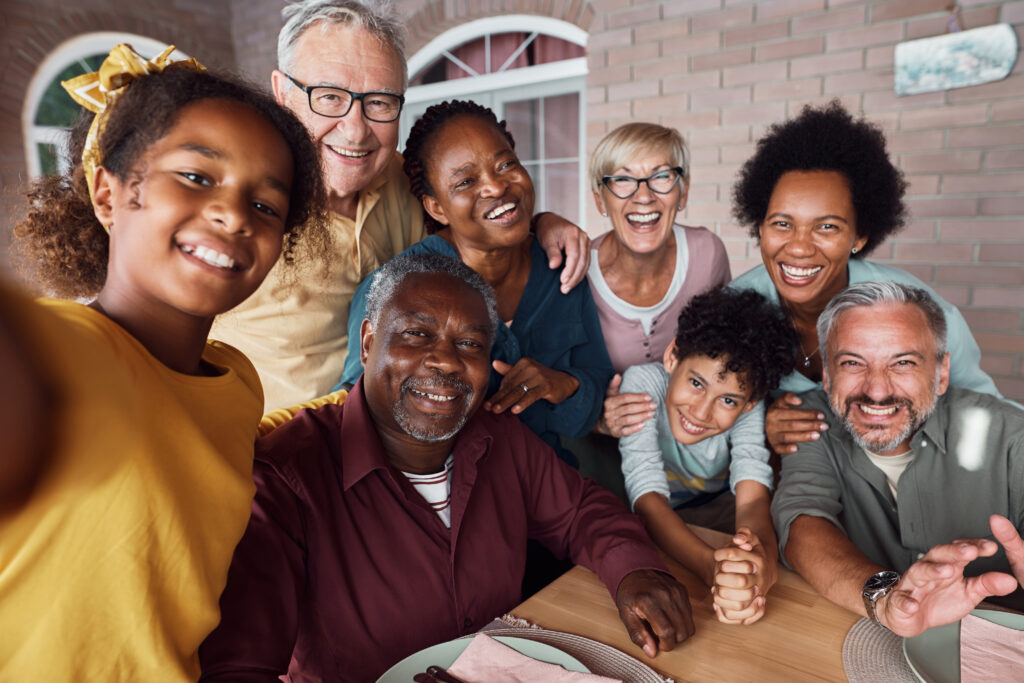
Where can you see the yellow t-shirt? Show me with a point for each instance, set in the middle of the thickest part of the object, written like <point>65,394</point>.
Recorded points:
<point>295,327</point>
<point>113,569</point>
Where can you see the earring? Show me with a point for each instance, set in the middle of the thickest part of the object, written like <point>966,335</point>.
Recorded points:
<point>854,250</point>
<point>605,214</point>
<point>679,208</point>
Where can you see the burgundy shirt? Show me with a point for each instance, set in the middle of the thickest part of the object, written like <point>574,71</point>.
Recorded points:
<point>345,569</point>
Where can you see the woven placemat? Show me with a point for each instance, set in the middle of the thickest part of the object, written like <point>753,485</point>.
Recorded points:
<point>872,654</point>
<point>601,659</point>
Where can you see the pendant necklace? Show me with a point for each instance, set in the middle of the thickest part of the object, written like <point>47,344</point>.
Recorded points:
<point>817,347</point>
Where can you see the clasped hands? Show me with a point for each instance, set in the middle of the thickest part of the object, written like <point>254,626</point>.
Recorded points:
<point>743,574</point>
<point>934,590</point>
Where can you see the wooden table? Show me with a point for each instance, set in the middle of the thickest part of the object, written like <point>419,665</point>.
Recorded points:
<point>800,638</point>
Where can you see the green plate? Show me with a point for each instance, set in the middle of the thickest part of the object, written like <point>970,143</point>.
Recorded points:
<point>445,654</point>
<point>934,655</point>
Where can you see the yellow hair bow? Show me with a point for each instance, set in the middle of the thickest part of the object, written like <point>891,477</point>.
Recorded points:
<point>99,90</point>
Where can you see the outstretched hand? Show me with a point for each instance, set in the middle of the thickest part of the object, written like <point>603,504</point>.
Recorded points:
<point>623,414</point>
<point>744,573</point>
<point>934,590</point>
<point>555,235</point>
<point>527,382</point>
<point>786,425</point>
<point>655,609</point>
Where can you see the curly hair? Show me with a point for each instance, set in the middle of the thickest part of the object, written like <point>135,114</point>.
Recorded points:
<point>418,147</point>
<point>62,245</point>
<point>741,326</point>
<point>826,139</point>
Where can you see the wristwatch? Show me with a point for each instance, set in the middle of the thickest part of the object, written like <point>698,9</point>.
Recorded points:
<point>875,587</point>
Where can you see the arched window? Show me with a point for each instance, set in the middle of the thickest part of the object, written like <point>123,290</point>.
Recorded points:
<point>532,72</point>
<point>49,112</point>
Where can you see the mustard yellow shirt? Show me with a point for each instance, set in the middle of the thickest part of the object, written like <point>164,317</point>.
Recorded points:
<point>295,327</point>
<point>113,569</point>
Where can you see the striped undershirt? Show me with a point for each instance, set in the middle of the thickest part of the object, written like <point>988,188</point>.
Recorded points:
<point>436,489</point>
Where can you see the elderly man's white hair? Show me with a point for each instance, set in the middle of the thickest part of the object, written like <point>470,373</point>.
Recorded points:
<point>376,16</point>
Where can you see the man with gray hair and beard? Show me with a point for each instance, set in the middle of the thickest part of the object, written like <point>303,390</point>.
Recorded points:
<point>892,511</point>
<point>399,519</point>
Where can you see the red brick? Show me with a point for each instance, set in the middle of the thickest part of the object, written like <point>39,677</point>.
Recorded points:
<point>828,20</point>
<point>656,106</point>
<point>1005,158</point>
<point>826,64</point>
<point>754,73</point>
<point>959,160</point>
<point>880,56</point>
<point>901,9</point>
<point>1011,86</point>
<point>981,275</point>
<point>755,113</point>
<point>1002,206</point>
<point>691,44</point>
<point>864,37</point>
<point>611,110</point>
<point>885,100</point>
<point>1001,253</point>
<point>686,8</point>
<point>721,135</point>
<point>932,253</point>
<point>921,271</point>
<point>946,117</point>
<point>718,99</point>
<point>722,58</point>
<point>632,91</point>
<point>776,9</point>
<point>788,49</point>
<point>1008,111</point>
<point>702,80</point>
<point>1007,343</point>
<point>1012,13</point>
<point>906,141</point>
<point>635,17</point>
<point>942,207</point>
<point>1011,388</point>
<point>673,28</point>
<point>784,90</point>
<point>630,55</point>
<point>739,16</point>
<point>936,25</point>
<point>859,81</point>
<point>987,136</point>
<point>978,183</point>
<point>703,156</point>
<point>924,230</point>
<point>606,40</point>
<point>615,74</point>
<point>688,121</point>
<point>921,185</point>
<point>956,295</point>
<point>982,230</point>
<point>737,154</point>
<point>755,34</point>
<point>995,364</point>
<point>597,95</point>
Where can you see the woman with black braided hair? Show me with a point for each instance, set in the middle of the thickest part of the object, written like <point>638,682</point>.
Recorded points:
<point>550,363</point>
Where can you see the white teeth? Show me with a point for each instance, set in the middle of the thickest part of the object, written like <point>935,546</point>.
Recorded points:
<point>792,271</point>
<point>888,410</point>
<point>433,397</point>
<point>499,211</point>
<point>643,217</point>
<point>690,427</point>
<point>346,153</point>
<point>207,255</point>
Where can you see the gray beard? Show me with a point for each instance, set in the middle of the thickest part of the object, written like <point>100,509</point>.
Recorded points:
<point>432,435</point>
<point>878,444</point>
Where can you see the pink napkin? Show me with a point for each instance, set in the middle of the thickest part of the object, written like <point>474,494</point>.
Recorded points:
<point>486,661</point>
<point>989,652</point>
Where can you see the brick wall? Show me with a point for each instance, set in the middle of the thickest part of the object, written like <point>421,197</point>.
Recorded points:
<point>31,29</point>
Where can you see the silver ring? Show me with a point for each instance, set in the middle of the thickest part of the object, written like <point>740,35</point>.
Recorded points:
<point>525,388</point>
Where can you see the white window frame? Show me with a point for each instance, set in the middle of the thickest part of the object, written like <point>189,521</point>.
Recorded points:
<point>543,80</point>
<point>69,51</point>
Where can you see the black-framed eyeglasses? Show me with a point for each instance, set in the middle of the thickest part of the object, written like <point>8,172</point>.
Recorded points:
<point>662,182</point>
<point>333,102</point>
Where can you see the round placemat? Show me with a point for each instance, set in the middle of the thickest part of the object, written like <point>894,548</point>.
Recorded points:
<point>872,654</point>
<point>601,659</point>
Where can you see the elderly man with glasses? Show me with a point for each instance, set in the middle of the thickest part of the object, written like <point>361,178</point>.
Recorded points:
<point>331,54</point>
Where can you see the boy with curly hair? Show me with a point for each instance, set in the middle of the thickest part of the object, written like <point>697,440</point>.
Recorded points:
<point>707,439</point>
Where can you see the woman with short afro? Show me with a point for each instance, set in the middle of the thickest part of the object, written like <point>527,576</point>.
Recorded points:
<point>819,194</point>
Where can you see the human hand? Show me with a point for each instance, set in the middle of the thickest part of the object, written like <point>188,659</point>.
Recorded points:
<point>555,235</point>
<point>785,425</point>
<point>1007,535</point>
<point>527,382</point>
<point>744,573</point>
<point>623,413</point>
<point>934,590</point>
<point>655,609</point>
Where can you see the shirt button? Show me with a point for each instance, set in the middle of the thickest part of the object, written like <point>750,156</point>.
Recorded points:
<point>924,444</point>
<point>645,343</point>
<point>467,623</point>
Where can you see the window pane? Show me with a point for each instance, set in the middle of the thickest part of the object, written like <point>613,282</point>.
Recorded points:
<point>523,118</point>
<point>56,108</point>
<point>561,126</point>
<point>562,186</point>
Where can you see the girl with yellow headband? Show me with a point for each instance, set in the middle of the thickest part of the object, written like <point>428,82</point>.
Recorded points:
<point>126,478</point>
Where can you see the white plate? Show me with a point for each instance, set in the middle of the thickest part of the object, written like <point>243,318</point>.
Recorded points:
<point>934,655</point>
<point>445,654</point>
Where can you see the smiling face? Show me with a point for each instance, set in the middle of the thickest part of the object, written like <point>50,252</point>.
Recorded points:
<point>426,367</point>
<point>807,235</point>
<point>198,223</point>
<point>354,149</point>
<point>883,375</point>
<point>481,191</point>
<point>643,222</point>
<point>703,399</point>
